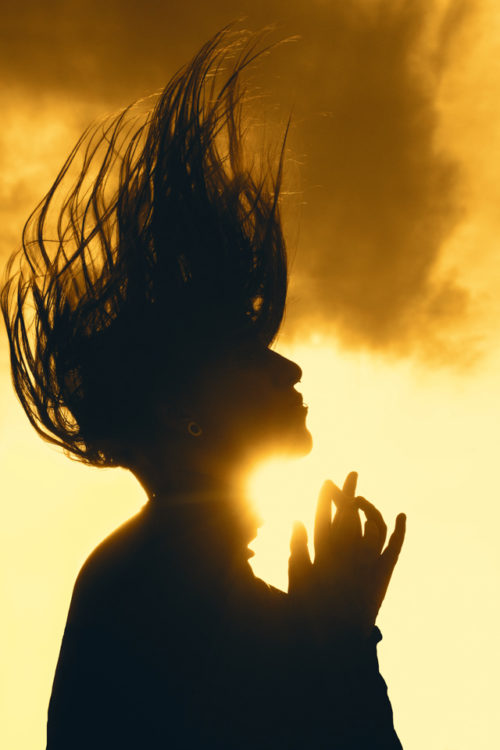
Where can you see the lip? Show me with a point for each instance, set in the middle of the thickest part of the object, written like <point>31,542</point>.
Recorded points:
<point>295,402</point>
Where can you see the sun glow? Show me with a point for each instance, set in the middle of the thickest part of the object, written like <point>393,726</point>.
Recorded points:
<point>281,492</point>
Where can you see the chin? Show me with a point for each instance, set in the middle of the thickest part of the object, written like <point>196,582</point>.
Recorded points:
<point>301,441</point>
<point>296,441</point>
<point>302,444</point>
<point>284,435</point>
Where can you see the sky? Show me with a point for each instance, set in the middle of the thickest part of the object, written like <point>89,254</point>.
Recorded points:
<point>392,225</point>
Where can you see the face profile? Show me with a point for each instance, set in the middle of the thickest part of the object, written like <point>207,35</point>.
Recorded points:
<point>246,403</point>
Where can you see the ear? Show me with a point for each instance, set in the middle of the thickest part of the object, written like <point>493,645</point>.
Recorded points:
<point>174,418</point>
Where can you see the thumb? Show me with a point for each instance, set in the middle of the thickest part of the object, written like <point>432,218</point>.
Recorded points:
<point>299,562</point>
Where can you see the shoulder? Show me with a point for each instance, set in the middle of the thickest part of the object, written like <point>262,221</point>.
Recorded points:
<point>111,569</point>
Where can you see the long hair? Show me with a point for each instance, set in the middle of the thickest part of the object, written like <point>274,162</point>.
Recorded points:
<point>167,245</point>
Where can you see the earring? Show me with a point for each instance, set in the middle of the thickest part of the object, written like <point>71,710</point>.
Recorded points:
<point>194,429</point>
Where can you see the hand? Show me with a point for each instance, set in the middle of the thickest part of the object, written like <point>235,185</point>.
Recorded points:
<point>345,586</point>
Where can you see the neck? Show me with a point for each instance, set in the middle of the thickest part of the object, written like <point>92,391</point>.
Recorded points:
<point>190,481</point>
<point>170,469</point>
<point>204,499</point>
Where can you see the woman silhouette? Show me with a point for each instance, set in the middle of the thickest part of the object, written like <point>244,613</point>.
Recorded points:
<point>140,313</point>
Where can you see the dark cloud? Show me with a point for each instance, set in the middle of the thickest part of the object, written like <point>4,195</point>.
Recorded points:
<point>382,197</point>
<point>379,197</point>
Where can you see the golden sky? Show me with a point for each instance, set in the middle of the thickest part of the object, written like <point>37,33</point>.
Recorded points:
<point>393,314</point>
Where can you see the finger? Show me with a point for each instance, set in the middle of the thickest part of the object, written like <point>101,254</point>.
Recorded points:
<point>390,555</point>
<point>371,541</point>
<point>298,541</point>
<point>323,521</point>
<point>375,520</point>
<point>346,526</point>
<point>338,496</point>
<point>391,552</point>
<point>299,562</point>
<point>387,562</point>
<point>351,480</point>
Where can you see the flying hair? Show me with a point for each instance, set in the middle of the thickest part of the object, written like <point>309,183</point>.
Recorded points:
<point>158,243</point>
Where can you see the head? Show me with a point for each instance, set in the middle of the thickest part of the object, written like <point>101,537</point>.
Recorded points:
<point>238,407</point>
<point>150,290</point>
<point>247,404</point>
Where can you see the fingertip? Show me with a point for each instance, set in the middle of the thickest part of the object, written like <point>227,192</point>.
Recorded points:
<point>361,503</point>
<point>299,533</point>
<point>350,483</point>
<point>351,478</point>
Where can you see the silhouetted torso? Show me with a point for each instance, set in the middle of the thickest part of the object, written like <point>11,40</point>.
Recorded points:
<point>172,642</point>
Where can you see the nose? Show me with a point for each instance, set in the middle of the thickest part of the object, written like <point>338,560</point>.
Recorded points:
<point>285,372</point>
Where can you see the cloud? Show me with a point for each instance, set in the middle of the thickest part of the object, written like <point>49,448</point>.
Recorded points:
<point>381,196</point>
<point>35,137</point>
